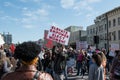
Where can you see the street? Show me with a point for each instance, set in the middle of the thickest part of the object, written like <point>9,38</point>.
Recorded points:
<point>74,77</point>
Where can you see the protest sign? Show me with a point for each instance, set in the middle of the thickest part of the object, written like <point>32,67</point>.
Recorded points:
<point>58,35</point>
<point>1,40</point>
<point>114,46</point>
<point>81,45</point>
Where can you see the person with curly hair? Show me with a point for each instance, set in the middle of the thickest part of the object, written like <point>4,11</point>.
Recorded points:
<point>27,53</point>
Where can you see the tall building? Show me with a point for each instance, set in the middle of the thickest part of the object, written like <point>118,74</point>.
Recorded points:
<point>114,27</point>
<point>101,30</point>
<point>107,27</point>
<point>91,32</point>
<point>77,34</point>
<point>74,28</point>
<point>7,38</point>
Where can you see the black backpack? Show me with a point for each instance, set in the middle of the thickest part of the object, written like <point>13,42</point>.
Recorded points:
<point>36,75</point>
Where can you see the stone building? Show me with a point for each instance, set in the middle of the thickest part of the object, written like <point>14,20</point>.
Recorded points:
<point>107,27</point>
<point>114,27</point>
<point>77,34</point>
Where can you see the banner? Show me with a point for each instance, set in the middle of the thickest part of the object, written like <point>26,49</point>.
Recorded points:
<point>1,40</point>
<point>58,35</point>
<point>12,48</point>
<point>114,46</point>
<point>81,45</point>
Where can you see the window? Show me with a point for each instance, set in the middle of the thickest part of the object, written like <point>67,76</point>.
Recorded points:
<point>119,34</point>
<point>99,28</point>
<point>87,31</point>
<point>105,35</point>
<point>110,36</point>
<point>109,23</point>
<point>105,27</point>
<point>90,31</point>
<point>118,20</point>
<point>96,30</point>
<point>114,22</point>
<point>114,35</point>
<point>102,28</point>
<point>93,30</point>
<point>101,37</point>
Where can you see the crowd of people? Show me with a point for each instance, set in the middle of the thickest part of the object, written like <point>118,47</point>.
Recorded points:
<point>31,62</point>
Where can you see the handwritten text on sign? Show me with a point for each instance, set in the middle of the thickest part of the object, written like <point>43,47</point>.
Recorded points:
<point>59,35</point>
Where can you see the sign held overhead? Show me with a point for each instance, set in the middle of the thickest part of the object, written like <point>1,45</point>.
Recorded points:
<point>1,40</point>
<point>58,35</point>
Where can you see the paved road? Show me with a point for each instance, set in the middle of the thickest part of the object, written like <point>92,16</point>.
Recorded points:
<point>74,77</point>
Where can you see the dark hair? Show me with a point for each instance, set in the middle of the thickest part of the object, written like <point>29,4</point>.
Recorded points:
<point>53,49</point>
<point>97,59</point>
<point>117,52</point>
<point>27,51</point>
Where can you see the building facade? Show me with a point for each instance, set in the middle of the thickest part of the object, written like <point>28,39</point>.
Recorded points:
<point>91,32</point>
<point>77,34</point>
<point>114,27</point>
<point>101,30</point>
<point>74,28</point>
<point>7,38</point>
<point>107,27</point>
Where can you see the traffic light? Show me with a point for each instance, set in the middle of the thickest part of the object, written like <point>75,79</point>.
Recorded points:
<point>96,39</point>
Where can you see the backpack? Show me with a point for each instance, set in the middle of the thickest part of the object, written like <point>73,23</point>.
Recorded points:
<point>36,76</point>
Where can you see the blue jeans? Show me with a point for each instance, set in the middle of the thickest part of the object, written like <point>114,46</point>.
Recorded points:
<point>79,64</point>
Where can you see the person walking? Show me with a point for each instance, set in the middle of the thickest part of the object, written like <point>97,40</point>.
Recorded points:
<point>60,68</point>
<point>79,61</point>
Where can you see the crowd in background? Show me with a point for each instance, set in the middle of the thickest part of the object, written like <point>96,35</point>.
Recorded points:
<point>61,61</point>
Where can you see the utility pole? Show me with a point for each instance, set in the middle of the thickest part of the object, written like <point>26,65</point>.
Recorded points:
<point>96,37</point>
<point>107,32</point>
